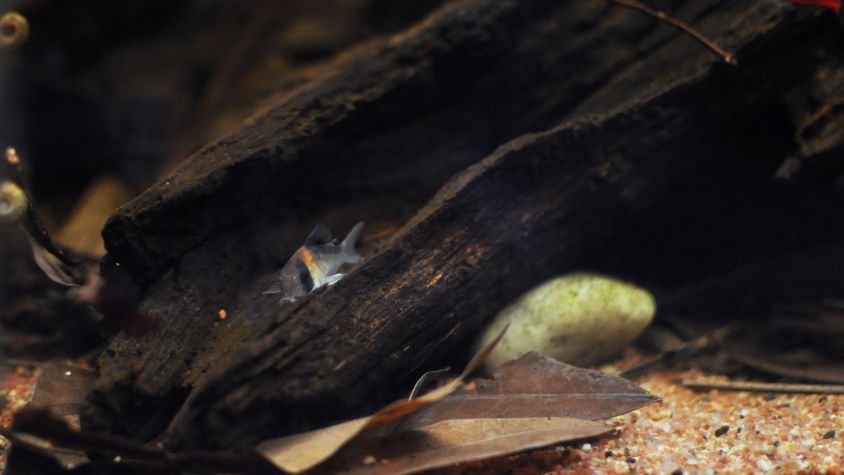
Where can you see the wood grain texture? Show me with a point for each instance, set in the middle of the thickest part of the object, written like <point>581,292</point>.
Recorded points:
<point>372,141</point>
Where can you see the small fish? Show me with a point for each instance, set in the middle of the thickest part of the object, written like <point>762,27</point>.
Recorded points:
<point>317,263</point>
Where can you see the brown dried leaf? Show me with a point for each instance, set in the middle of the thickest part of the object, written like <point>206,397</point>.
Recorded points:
<point>536,386</point>
<point>63,388</point>
<point>300,452</point>
<point>458,440</point>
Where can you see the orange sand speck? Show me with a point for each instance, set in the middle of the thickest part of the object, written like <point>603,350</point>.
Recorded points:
<point>435,279</point>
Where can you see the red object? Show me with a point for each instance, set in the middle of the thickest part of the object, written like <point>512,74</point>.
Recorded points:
<point>138,324</point>
<point>833,4</point>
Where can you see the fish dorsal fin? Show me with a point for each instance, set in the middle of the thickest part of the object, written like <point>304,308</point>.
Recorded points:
<point>353,237</point>
<point>320,235</point>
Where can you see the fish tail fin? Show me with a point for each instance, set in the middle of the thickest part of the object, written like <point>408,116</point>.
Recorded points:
<point>350,242</point>
<point>275,289</point>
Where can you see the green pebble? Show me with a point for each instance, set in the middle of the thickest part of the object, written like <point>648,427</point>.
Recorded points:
<point>580,319</point>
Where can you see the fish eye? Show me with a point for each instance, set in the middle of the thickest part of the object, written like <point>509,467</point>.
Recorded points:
<point>305,276</point>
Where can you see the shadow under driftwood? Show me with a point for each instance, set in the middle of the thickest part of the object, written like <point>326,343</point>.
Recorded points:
<point>488,146</point>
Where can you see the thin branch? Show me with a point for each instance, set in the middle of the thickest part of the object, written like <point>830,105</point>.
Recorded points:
<point>686,349</point>
<point>683,26</point>
<point>754,386</point>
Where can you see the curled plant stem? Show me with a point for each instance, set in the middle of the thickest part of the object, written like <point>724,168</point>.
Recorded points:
<point>14,29</point>
<point>727,56</point>
<point>16,207</point>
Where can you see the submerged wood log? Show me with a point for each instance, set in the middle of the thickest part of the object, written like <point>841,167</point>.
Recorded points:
<point>393,122</point>
<point>748,294</point>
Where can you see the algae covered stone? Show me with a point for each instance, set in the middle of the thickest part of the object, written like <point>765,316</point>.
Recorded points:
<point>12,203</point>
<point>579,319</point>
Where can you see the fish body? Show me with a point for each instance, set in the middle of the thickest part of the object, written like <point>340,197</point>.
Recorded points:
<point>316,264</point>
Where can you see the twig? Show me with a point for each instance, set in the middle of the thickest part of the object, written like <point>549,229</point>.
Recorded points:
<point>153,461</point>
<point>42,431</point>
<point>430,351</point>
<point>728,57</point>
<point>688,348</point>
<point>755,386</point>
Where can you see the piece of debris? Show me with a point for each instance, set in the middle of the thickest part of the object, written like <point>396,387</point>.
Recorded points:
<point>754,386</point>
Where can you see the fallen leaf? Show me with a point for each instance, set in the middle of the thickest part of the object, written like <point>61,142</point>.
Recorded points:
<point>458,440</point>
<point>300,452</point>
<point>63,388</point>
<point>536,386</point>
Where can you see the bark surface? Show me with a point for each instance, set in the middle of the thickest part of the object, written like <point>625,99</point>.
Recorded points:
<point>624,106</point>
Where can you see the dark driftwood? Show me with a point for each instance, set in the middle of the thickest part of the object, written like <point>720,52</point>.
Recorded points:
<point>750,293</point>
<point>395,119</point>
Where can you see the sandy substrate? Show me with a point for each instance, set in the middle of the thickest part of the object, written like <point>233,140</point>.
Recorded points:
<point>688,432</point>
<point>721,432</point>
<point>16,388</point>
<point>699,433</point>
